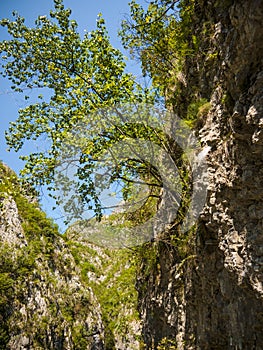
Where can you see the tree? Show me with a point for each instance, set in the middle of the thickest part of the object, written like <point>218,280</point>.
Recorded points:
<point>84,77</point>
<point>161,37</point>
<point>86,124</point>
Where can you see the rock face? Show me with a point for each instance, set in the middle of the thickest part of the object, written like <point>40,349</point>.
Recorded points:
<point>60,291</point>
<point>212,297</point>
<point>43,302</point>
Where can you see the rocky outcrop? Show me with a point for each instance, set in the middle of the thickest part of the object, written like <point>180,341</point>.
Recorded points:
<point>212,297</point>
<point>43,302</point>
<point>60,291</point>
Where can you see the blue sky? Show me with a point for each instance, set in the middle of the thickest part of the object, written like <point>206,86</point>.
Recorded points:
<point>85,13</point>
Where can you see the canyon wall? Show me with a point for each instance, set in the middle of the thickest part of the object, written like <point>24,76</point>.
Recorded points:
<point>212,297</point>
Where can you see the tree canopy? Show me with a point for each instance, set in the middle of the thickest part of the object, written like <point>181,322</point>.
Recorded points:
<point>160,38</point>
<point>83,116</point>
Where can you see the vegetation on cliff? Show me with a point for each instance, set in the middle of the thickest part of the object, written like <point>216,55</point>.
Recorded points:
<point>62,291</point>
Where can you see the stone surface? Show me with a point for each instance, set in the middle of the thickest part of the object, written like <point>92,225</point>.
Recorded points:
<point>43,302</point>
<point>215,299</point>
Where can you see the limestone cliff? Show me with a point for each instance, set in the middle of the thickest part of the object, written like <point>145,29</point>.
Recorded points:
<point>210,296</point>
<point>44,304</point>
<point>59,291</point>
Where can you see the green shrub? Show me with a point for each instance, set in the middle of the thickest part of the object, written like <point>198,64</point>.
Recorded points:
<point>195,110</point>
<point>167,344</point>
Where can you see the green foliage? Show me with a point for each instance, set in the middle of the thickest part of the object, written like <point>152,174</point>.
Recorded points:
<point>117,295</point>
<point>18,263</point>
<point>6,294</point>
<point>35,222</point>
<point>6,285</point>
<point>203,109</point>
<point>161,38</point>
<point>197,109</point>
<point>11,185</point>
<point>167,344</point>
<point>15,266</point>
<point>113,282</point>
<point>83,76</point>
<point>85,268</point>
<point>81,337</point>
<point>4,336</point>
